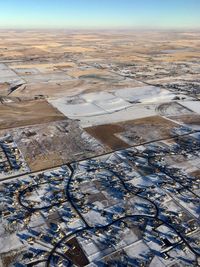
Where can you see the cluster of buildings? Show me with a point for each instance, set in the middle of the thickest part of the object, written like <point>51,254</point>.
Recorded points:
<point>11,159</point>
<point>134,207</point>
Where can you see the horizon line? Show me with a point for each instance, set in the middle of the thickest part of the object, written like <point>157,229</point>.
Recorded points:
<point>100,29</point>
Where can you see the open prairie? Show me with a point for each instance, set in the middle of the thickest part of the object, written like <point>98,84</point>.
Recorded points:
<point>54,63</point>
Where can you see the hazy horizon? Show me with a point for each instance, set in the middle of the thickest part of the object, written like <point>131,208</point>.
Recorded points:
<point>100,15</point>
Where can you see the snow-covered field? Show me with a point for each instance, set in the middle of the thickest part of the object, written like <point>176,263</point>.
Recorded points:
<point>113,106</point>
<point>147,94</point>
<point>192,105</point>
<point>7,75</point>
<point>134,112</point>
<point>76,111</point>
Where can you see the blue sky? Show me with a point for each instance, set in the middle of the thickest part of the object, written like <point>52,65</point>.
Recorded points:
<point>100,14</point>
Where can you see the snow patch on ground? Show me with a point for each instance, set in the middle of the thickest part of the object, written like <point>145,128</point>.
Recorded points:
<point>192,105</point>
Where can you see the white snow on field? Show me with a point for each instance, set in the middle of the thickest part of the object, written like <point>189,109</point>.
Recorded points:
<point>112,105</point>
<point>91,97</point>
<point>91,115</point>
<point>137,250</point>
<point>107,101</point>
<point>77,110</point>
<point>9,243</point>
<point>7,75</point>
<point>156,262</point>
<point>102,108</point>
<point>132,113</point>
<point>145,94</point>
<point>192,105</point>
<point>3,66</point>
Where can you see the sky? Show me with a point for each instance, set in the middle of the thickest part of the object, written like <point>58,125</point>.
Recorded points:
<point>100,14</point>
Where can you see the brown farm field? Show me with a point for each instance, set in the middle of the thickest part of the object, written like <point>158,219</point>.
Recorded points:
<point>27,113</point>
<point>189,119</point>
<point>135,132</point>
<point>107,135</point>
